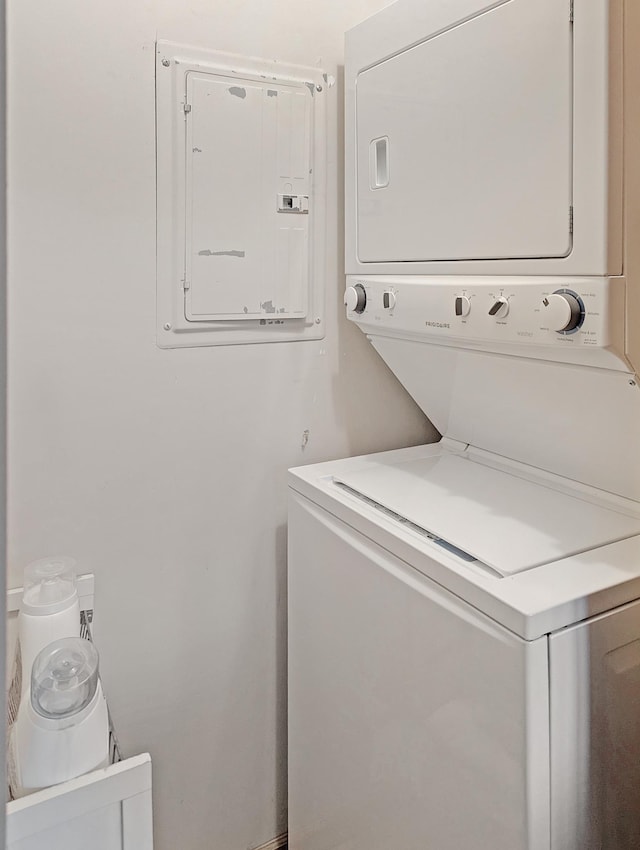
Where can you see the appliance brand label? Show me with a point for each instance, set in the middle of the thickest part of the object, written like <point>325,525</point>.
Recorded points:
<point>437,324</point>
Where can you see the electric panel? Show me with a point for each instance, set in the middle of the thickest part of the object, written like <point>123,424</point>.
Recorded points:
<point>240,199</point>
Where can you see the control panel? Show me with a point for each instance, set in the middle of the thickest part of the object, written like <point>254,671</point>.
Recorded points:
<point>577,312</point>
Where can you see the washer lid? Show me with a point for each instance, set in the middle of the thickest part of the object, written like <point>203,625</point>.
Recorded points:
<point>507,522</point>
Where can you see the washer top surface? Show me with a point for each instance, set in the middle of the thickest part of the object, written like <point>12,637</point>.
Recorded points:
<point>547,533</point>
<point>505,521</point>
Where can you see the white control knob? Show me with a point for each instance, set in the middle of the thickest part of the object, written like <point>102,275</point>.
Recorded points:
<point>561,312</point>
<point>389,299</point>
<point>462,306</point>
<point>500,308</point>
<point>355,298</point>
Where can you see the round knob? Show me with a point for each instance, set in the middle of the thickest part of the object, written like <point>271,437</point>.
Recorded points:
<point>355,298</point>
<point>389,299</point>
<point>500,308</point>
<point>561,311</point>
<point>462,306</point>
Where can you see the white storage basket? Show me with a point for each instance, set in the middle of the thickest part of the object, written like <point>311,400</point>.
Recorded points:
<point>107,809</point>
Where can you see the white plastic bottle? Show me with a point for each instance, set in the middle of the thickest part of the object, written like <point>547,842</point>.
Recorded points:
<point>50,609</point>
<point>62,729</point>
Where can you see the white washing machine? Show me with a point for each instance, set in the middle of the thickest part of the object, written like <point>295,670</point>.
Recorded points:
<point>464,617</point>
<point>464,657</point>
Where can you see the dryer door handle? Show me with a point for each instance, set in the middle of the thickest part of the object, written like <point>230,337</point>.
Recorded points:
<point>379,163</point>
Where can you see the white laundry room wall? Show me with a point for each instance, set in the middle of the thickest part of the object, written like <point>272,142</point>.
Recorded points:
<point>164,471</point>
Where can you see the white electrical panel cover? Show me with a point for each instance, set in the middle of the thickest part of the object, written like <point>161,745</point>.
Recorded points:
<point>241,190</point>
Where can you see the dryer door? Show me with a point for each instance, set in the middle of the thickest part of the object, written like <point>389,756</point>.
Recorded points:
<point>464,139</point>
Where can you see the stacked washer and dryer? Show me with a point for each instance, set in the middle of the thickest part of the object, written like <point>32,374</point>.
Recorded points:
<point>464,617</point>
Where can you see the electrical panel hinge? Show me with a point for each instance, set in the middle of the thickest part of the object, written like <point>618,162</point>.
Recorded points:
<point>571,220</point>
<point>187,108</point>
<point>185,283</point>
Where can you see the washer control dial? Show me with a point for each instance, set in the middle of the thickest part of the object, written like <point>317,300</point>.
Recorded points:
<point>562,311</point>
<point>355,298</point>
<point>388,299</point>
<point>500,308</point>
<point>462,306</point>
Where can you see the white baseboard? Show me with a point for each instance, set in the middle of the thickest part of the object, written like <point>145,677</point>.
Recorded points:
<point>274,844</point>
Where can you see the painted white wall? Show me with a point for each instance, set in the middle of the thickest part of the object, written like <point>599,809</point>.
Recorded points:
<point>164,471</point>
